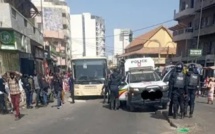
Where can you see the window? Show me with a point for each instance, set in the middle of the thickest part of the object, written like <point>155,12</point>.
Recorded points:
<point>34,29</point>
<point>65,26</point>
<point>214,18</point>
<point>183,5</point>
<point>13,13</point>
<point>63,14</point>
<point>25,23</point>
<point>192,4</point>
<point>210,47</point>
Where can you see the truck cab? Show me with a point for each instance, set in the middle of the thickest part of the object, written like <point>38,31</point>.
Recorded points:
<point>143,86</point>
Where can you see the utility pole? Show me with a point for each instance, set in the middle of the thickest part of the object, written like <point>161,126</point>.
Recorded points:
<point>199,28</point>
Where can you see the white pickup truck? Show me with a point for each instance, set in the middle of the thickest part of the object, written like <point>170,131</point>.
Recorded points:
<point>143,86</point>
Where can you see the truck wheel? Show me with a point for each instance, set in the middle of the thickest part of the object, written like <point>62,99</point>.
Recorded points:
<point>164,106</point>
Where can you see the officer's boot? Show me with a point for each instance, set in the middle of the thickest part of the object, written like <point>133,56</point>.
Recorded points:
<point>170,109</point>
<point>174,115</point>
<point>182,115</point>
<point>191,114</point>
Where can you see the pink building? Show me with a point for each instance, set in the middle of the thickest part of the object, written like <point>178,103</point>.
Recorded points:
<point>54,21</point>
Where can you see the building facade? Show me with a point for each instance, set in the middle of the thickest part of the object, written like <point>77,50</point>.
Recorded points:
<point>195,30</point>
<point>21,43</point>
<point>157,44</point>
<point>88,35</point>
<point>122,38</point>
<point>54,22</point>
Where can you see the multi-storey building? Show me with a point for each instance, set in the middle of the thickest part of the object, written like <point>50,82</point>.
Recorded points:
<point>54,21</point>
<point>21,43</point>
<point>88,35</point>
<point>122,38</point>
<point>195,30</point>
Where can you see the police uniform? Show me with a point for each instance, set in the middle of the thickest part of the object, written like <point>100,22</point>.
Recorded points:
<point>178,90</point>
<point>114,89</point>
<point>105,89</point>
<point>192,81</point>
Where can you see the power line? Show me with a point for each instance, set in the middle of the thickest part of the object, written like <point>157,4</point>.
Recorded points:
<point>136,30</point>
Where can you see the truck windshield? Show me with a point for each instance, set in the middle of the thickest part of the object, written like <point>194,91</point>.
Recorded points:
<point>89,71</point>
<point>144,76</point>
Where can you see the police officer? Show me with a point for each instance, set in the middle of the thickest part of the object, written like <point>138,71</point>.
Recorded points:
<point>192,82</point>
<point>114,83</point>
<point>105,90</point>
<point>178,92</point>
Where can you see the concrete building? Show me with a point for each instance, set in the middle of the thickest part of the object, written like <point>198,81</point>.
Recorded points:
<point>122,38</point>
<point>196,23</point>
<point>21,43</point>
<point>156,44</point>
<point>88,35</point>
<point>54,21</point>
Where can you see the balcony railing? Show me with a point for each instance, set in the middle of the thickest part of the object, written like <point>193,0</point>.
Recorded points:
<point>185,13</point>
<point>206,30</point>
<point>206,4</point>
<point>183,34</point>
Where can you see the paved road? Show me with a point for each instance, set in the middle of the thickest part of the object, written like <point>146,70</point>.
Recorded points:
<point>88,117</point>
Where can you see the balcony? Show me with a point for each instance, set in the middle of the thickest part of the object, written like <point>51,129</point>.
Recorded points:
<point>206,4</point>
<point>66,33</point>
<point>65,21</point>
<point>183,34</point>
<point>207,30</point>
<point>185,13</point>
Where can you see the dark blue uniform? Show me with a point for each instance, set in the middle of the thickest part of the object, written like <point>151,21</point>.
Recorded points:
<point>114,83</point>
<point>191,88</point>
<point>177,91</point>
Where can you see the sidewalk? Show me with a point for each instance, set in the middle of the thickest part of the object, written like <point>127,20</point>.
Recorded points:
<point>203,120</point>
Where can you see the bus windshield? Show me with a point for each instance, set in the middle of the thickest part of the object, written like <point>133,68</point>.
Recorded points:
<point>89,71</point>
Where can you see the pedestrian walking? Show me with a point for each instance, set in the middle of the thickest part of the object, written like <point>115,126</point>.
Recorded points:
<point>37,85</point>
<point>3,107</point>
<point>211,87</point>
<point>13,80</point>
<point>71,88</point>
<point>57,84</point>
<point>192,83</point>
<point>28,91</point>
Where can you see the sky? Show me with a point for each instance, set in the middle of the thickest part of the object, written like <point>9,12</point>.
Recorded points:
<point>132,14</point>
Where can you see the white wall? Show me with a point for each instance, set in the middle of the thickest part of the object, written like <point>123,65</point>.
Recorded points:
<point>77,35</point>
<point>90,34</point>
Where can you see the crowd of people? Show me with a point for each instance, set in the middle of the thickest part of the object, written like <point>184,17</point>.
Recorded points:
<point>16,88</point>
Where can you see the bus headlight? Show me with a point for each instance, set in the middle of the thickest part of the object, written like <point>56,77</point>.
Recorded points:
<point>165,87</point>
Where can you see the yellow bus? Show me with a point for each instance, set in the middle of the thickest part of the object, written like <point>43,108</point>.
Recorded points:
<point>89,74</point>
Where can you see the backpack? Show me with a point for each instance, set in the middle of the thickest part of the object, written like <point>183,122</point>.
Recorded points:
<point>179,81</point>
<point>194,79</point>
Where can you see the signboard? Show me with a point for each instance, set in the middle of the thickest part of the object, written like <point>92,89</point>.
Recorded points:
<point>7,37</point>
<point>195,52</point>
